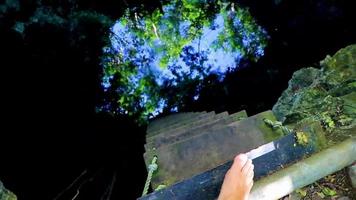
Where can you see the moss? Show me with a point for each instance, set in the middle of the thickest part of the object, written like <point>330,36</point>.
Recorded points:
<point>160,187</point>
<point>326,95</point>
<point>157,179</point>
<point>239,115</point>
<point>309,131</point>
<point>327,121</point>
<point>269,133</point>
<point>344,88</point>
<point>302,138</point>
<point>344,120</point>
<point>295,117</point>
<point>349,104</point>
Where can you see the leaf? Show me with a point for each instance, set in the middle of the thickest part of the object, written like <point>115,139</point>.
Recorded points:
<point>330,178</point>
<point>329,192</point>
<point>302,192</point>
<point>321,195</point>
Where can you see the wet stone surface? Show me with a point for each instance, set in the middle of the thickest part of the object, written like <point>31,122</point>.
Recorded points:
<point>182,160</point>
<point>207,185</point>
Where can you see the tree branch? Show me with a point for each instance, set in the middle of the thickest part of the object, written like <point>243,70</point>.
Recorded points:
<point>155,30</point>
<point>108,192</point>
<point>71,185</point>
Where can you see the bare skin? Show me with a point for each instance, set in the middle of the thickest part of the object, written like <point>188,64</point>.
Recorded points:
<point>238,180</point>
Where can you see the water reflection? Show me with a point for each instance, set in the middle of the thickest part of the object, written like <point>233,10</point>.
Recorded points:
<point>187,40</point>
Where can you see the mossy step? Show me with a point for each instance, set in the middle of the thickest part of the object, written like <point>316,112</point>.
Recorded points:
<point>180,129</point>
<point>184,159</point>
<point>181,133</point>
<point>161,125</point>
<point>166,120</point>
<point>239,115</point>
<point>184,122</point>
<point>166,139</point>
<point>282,152</point>
<point>158,123</point>
<point>198,127</point>
<point>191,125</point>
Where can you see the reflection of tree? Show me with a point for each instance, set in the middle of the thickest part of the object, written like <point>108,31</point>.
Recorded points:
<point>129,84</point>
<point>154,64</point>
<point>241,33</point>
<point>186,86</point>
<point>178,24</point>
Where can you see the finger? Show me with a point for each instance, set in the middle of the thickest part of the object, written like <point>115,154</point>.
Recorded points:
<point>228,173</point>
<point>250,184</point>
<point>239,161</point>
<point>250,172</point>
<point>247,166</point>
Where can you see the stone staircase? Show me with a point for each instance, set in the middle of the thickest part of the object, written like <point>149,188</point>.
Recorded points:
<point>187,144</point>
<point>194,150</point>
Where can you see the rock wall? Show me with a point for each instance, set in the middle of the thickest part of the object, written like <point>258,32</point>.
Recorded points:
<point>327,95</point>
<point>6,194</point>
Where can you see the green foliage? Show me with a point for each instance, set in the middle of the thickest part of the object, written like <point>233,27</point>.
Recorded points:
<point>327,121</point>
<point>167,33</point>
<point>239,26</point>
<point>164,27</point>
<point>325,95</point>
<point>302,138</point>
<point>90,17</point>
<point>328,192</point>
<point>127,94</point>
<point>321,195</point>
<point>9,5</point>
<point>301,192</point>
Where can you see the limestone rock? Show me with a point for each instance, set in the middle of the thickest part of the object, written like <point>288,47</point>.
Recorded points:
<point>327,95</point>
<point>5,194</point>
<point>352,174</point>
<point>343,198</point>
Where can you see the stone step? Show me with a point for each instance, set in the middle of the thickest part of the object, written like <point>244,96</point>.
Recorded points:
<point>149,147</point>
<point>184,122</point>
<point>211,125</point>
<point>200,153</point>
<point>158,123</point>
<point>206,185</point>
<point>152,141</point>
<point>161,125</point>
<point>187,126</point>
<point>239,115</point>
<point>166,119</point>
<point>217,122</point>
